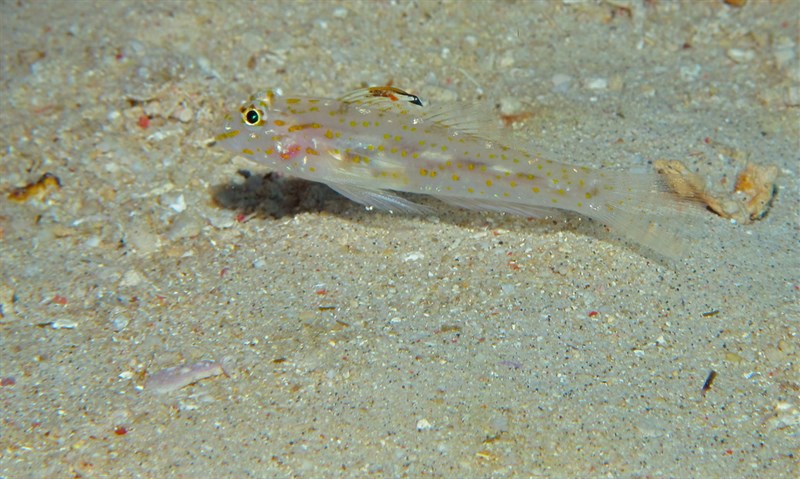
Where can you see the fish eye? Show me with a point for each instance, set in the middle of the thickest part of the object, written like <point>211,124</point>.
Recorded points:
<point>252,116</point>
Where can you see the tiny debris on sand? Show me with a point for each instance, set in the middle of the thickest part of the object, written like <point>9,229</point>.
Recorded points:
<point>749,201</point>
<point>46,184</point>
<point>177,377</point>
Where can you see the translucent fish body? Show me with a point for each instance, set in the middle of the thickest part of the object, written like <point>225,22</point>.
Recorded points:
<point>380,140</point>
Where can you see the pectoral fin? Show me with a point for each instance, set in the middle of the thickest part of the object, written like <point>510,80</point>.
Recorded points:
<point>380,199</point>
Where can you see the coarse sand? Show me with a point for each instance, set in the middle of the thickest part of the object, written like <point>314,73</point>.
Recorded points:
<point>167,310</point>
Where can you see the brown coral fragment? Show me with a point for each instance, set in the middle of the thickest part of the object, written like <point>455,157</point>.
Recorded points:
<point>750,200</point>
<point>45,184</point>
<point>736,3</point>
<point>686,184</point>
<point>757,183</point>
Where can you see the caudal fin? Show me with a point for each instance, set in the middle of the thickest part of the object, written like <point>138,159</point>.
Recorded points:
<point>640,207</point>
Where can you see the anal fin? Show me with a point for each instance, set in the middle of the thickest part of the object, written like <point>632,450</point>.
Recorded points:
<point>500,206</point>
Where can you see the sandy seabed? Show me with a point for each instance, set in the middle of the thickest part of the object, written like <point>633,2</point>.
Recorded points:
<point>322,340</point>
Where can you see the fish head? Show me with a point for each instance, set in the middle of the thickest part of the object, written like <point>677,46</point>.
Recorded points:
<point>250,131</point>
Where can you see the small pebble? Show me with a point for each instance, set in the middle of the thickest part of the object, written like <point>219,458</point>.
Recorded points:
<point>740,56</point>
<point>64,324</point>
<point>260,263</point>
<point>424,425</point>
<point>183,114</point>
<point>510,105</point>
<point>596,84</point>
<point>413,256</point>
<point>186,225</point>
<point>131,278</point>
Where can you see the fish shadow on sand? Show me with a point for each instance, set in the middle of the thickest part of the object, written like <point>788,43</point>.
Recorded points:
<point>273,195</point>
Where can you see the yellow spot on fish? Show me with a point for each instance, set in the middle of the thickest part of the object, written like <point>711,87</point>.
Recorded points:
<point>535,189</point>
<point>329,135</point>
<point>311,151</point>
<point>292,101</point>
<point>247,151</point>
<point>227,135</point>
<point>279,122</point>
<point>423,172</point>
<point>489,183</point>
<point>365,124</point>
<point>304,126</point>
<point>513,184</point>
<point>433,173</point>
<point>455,177</point>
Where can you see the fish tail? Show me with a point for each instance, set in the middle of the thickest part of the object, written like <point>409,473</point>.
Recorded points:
<point>640,207</point>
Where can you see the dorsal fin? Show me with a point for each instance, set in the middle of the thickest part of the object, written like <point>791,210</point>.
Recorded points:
<point>386,96</point>
<point>457,118</point>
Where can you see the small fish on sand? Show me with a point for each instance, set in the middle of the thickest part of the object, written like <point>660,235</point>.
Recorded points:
<point>374,142</point>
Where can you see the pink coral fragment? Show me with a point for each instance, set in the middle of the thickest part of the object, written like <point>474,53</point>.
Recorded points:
<point>177,377</point>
